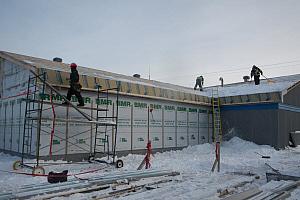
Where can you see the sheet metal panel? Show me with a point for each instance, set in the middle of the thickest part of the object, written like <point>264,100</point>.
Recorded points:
<point>259,126</point>
<point>288,122</point>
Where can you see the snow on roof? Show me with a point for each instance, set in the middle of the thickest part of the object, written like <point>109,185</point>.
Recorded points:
<point>277,84</point>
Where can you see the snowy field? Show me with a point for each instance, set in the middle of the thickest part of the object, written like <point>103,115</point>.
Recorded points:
<point>239,161</point>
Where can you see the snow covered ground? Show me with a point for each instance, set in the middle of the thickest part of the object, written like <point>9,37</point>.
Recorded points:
<point>238,160</point>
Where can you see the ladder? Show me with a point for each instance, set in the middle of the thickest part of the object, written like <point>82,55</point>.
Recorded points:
<point>217,126</point>
<point>102,132</point>
<point>32,111</point>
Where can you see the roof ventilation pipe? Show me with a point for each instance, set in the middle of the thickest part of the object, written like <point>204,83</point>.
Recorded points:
<point>136,75</point>
<point>246,78</point>
<point>222,81</point>
<point>56,59</point>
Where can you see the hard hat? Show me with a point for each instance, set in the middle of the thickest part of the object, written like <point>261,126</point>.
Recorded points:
<point>73,65</point>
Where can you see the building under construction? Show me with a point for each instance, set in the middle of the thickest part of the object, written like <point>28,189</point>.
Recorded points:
<point>122,113</point>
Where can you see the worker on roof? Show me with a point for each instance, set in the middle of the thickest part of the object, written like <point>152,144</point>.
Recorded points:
<point>199,82</point>
<point>75,87</point>
<point>256,72</point>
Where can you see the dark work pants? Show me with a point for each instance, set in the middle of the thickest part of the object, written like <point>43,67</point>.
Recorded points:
<point>198,83</point>
<point>72,91</point>
<point>256,80</point>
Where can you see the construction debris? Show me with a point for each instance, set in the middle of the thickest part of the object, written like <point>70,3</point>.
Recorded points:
<point>62,189</point>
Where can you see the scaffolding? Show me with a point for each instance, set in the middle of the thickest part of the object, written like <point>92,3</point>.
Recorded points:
<point>34,116</point>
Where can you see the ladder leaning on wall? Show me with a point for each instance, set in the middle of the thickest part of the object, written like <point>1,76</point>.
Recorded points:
<point>217,125</point>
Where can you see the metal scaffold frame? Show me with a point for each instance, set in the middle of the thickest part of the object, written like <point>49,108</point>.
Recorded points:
<point>34,108</point>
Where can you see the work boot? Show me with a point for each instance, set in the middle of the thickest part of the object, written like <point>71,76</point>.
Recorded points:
<point>80,104</point>
<point>65,103</point>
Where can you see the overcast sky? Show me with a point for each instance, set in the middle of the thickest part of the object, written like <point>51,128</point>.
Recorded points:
<point>177,39</point>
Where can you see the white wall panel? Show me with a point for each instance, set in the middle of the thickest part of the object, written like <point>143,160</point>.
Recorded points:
<point>15,127</point>
<point>193,126</point>
<point>156,127</point>
<point>124,129</point>
<point>140,130</point>
<point>169,127</point>
<point>2,110</point>
<point>8,133</point>
<point>182,128</point>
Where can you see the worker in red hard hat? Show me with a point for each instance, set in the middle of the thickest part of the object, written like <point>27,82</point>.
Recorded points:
<point>75,87</point>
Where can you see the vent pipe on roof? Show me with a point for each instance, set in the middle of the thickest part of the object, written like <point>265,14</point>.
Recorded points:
<point>137,75</point>
<point>222,81</point>
<point>246,78</point>
<point>56,59</point>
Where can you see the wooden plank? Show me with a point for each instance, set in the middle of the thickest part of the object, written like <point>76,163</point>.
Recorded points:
<point>279,177</point>
<point>244,195</point>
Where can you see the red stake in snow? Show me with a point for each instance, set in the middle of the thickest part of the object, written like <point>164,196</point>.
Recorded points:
<point>148,154</point>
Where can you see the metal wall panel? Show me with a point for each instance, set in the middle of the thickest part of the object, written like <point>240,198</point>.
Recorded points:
<point>293,96</point>
<point>288,121</point>
<point>259,126</point>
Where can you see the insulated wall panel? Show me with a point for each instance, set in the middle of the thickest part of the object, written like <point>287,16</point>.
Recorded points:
<point>169,126</point>
<point>22,115</point>
<point>2,112</point>
<point>8,127</point>
<point>193,126</point>
<point>182,127</point>
<point>124,128</point>
<point>203,127</point>
<point>15,126</point>
<point>140,126</point>
<point>79,134</point>
<point>155,124</point>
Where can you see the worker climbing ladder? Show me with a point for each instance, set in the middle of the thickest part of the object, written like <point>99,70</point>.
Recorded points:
<point>217,128</point>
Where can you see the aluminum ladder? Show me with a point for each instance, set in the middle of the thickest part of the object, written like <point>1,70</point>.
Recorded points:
<point>217,125</point>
